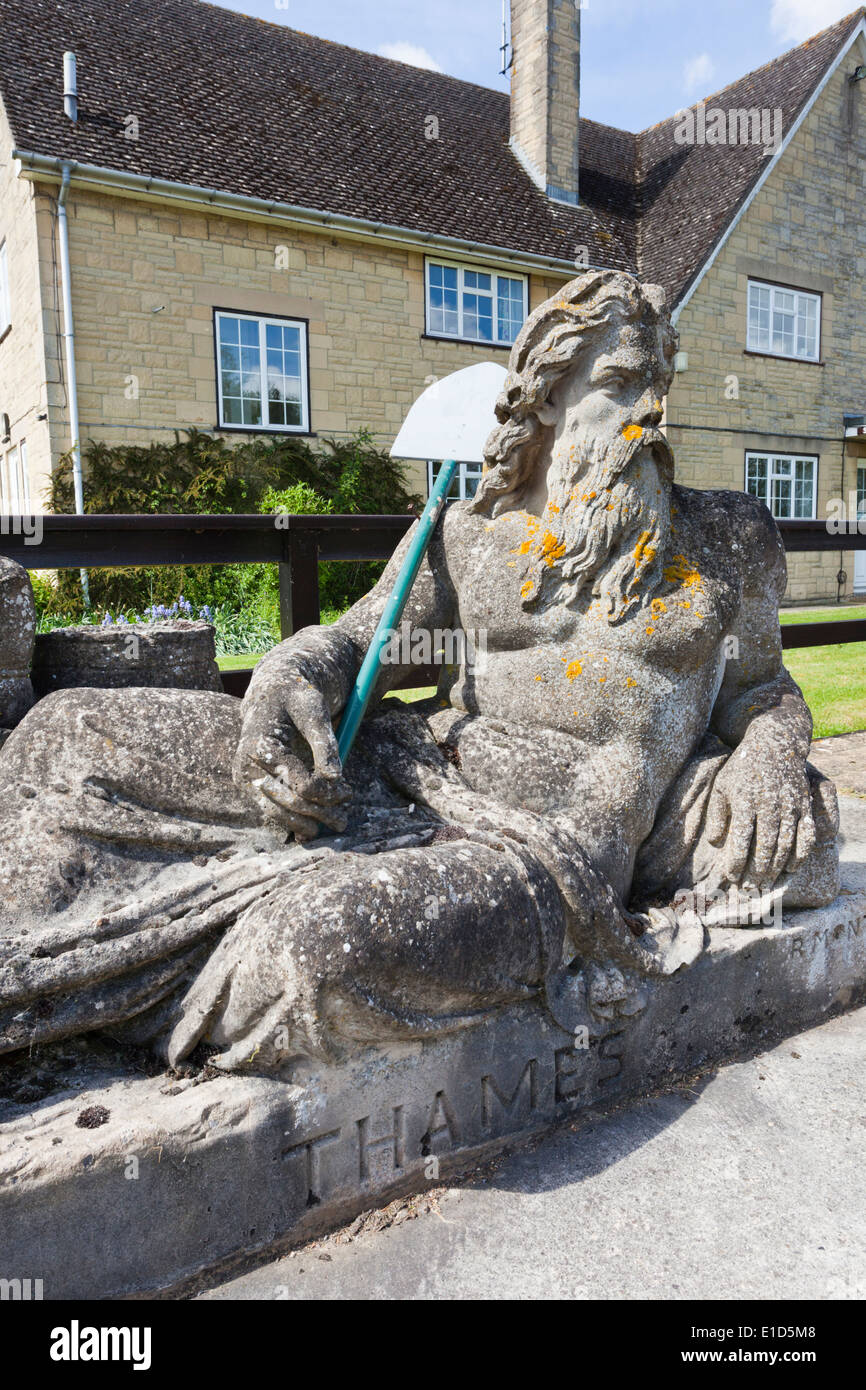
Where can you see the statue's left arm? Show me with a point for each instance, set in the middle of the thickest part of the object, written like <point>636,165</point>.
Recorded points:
<point>760,809</point>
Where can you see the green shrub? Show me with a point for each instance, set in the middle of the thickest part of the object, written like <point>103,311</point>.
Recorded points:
<point>199,474</point>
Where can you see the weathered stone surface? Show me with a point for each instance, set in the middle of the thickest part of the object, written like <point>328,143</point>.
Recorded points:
<point>177,655</point>
<point>184,1174</point>
<point>17,632</point>
<point>616,771</point>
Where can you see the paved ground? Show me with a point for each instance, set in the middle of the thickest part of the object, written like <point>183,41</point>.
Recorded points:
<point>843,759</point>
<point>748,1182</point>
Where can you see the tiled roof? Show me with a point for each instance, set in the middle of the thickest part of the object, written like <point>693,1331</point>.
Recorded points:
<point>229,102</point>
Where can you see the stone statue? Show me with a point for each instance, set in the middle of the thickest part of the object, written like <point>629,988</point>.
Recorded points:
<point>623,765</point>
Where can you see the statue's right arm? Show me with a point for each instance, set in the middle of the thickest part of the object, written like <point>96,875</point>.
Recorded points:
<point>287,751</point>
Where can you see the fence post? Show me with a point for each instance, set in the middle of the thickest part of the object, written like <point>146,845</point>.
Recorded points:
<point>299,582</point>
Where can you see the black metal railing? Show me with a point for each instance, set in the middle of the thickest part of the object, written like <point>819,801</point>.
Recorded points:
<point>296,544</point>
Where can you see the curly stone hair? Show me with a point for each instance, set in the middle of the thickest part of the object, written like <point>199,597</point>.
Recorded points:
<point>545,350</point>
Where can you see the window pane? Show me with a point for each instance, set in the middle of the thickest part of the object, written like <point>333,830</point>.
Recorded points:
<point>472,474</point>
<point>509,307</point>
<point>249,332</point>
<point>804,486</point>
<point>759,317</point>
<point>478,316</point>
<point>781,498</point>
<point>783,324</point>
<point>229,330</point>
<point>756,477</point>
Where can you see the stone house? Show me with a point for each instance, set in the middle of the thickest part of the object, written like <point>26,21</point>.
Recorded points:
<point>269,233</point>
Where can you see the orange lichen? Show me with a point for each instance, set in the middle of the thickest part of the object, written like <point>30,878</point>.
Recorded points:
<point>632,432</point>
<point>657,607</point>
<point>573,669</point>
<point>683,572</point>
<point>650,631</point>
<point>643,554</point>
<point>630,681</point>
<point>526,588</point>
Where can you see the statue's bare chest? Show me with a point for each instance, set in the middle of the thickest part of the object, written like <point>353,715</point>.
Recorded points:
<point>676,626</point>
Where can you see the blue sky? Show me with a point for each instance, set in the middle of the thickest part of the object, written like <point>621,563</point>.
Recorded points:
<point>641,60</point>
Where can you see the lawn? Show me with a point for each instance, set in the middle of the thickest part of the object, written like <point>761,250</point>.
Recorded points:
<point>833,679</point>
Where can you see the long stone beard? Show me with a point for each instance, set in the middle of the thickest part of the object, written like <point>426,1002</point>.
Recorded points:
<point>607,522</point>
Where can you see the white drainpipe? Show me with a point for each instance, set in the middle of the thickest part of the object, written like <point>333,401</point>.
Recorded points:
<point>69,339</point>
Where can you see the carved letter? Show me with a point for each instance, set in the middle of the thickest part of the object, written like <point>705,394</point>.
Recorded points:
<point>490,1092</point>
<point>396,1139</point>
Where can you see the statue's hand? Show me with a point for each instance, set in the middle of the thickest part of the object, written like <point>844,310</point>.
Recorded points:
<point>286,725</point>
<point>760,811</point>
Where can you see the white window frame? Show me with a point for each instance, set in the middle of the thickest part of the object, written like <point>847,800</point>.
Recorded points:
<point>13,480</point>
<point>263,321</point>
<point>462,267</point>
<point>5,306</point>
<point>799,296</point>
<point>460,477</point>
<point>782,468</point>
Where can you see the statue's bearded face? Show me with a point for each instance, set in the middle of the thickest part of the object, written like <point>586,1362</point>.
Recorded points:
<point>602,487</point>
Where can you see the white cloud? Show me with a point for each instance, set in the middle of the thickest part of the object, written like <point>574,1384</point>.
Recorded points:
<point>795,20</point>
<point>697,73</point>
<point>409,53</point>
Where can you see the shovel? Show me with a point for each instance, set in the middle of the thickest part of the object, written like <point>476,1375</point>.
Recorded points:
<point>449,421</point>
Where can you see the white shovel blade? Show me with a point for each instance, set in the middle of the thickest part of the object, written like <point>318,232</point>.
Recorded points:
<point>453,417</point>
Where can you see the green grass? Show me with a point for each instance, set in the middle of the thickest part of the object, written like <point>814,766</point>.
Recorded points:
<point>832,679</point>
<point>245,662</point>
<point>837,614</point>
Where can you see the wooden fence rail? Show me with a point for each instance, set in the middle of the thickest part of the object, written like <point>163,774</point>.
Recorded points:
<point>297,544</point>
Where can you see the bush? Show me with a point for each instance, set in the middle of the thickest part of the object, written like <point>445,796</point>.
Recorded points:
<point>202,475</point>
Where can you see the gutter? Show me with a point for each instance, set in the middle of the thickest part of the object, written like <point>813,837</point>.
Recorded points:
<point>35,166</point>
<point>69,342</point>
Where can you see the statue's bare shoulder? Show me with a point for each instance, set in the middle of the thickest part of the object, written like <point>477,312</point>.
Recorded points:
<point>737,528</point>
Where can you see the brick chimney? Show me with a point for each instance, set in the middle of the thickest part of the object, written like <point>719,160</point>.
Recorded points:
<point>545,93</point>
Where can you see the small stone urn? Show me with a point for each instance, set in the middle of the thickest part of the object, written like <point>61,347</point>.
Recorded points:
<point>180,654</point>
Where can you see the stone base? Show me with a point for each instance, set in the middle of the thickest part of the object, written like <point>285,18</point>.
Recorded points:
<point>183,1175</point>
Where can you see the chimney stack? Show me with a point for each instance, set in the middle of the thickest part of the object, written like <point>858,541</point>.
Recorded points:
<point>545,93</point>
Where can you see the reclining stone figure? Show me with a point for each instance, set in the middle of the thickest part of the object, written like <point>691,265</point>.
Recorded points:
<point>179,867</point>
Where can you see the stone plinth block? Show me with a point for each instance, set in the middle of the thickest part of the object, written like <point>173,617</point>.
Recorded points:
<point>121,1183</point>
<point>177,654</point>
<point>17,631</point>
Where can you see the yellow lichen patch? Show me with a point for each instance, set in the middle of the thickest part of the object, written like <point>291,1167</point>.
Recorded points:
<point>632,432</point>
<point>573,669</point>
<point>630,682</point>
<point>657,607</point>
<point>685,603</point>
<point>550,548</point>
<point>532,527</point>
<point>602,679</point>
<point>553,509</point>
<point>643,554</point>
<point>681,571</point>
<point>650,631</point>
<point>539,678</point>
<point>512,564</point>
<point>526,588</point>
